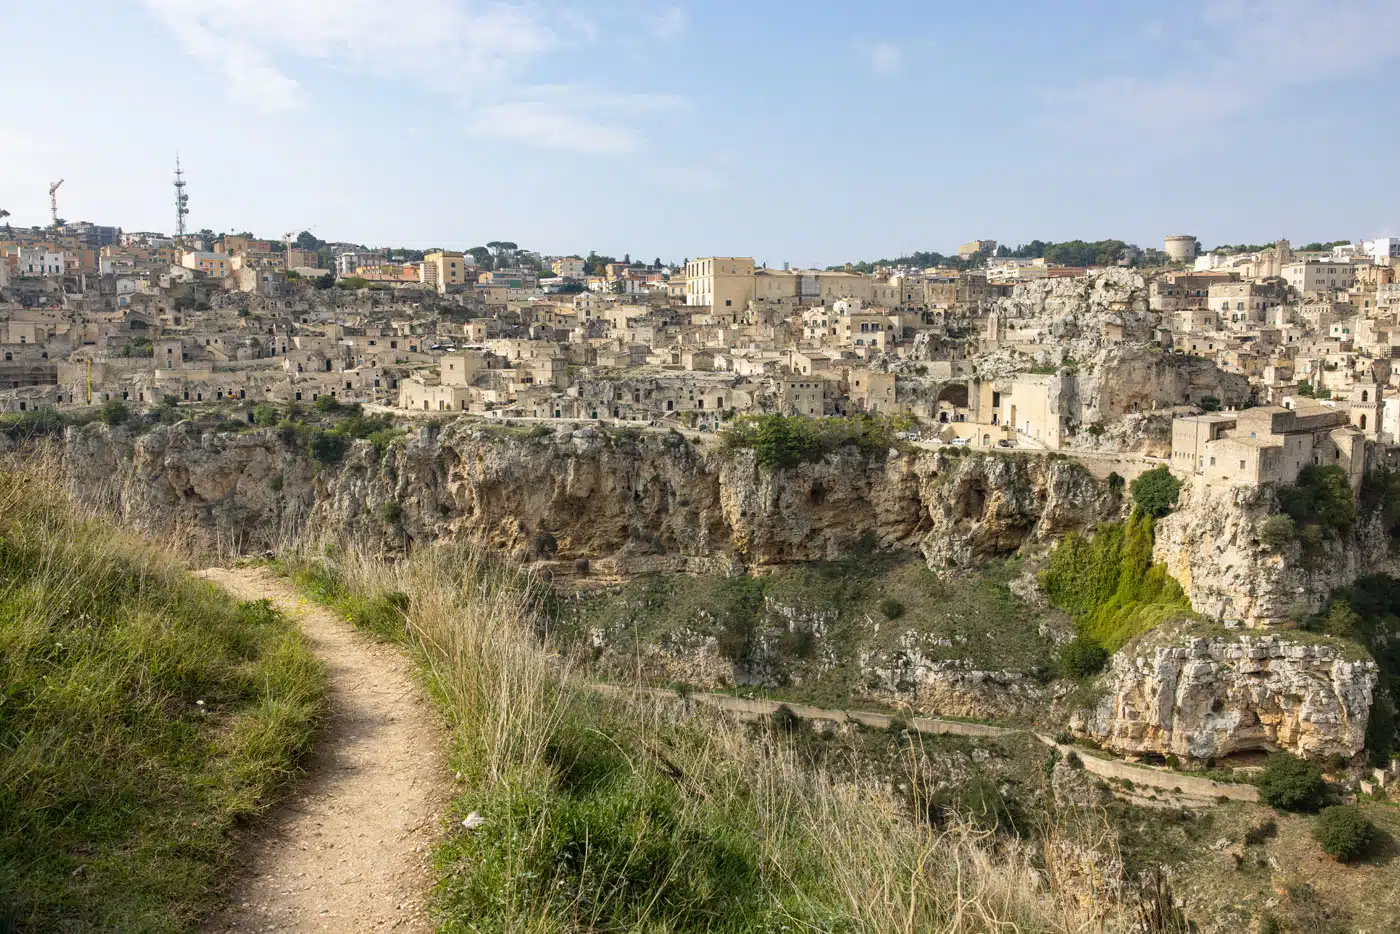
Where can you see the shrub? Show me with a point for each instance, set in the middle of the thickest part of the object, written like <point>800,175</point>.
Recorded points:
<point>1116,482</point>
<point>114,412</point>
<point>1290,784</point>
<point>1321,498</point>
<point>1155,492</point>
<point>328,447</point>
<point>265,415</point>
<point>1210,404</point>
<point>785,441</point>
<point>1343,832</point>
<point>1277,532</point>
<point>1083,658</point>
<point>391,512</point>
<point>327,404</point>
<point>891,609</point>
<point>1064,738</point>
<point>1257,835</point>
<point>545,545</point>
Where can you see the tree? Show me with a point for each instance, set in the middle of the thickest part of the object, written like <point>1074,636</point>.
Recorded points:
<point>483,257</point>
<point>656,264</point>
<point>503,252</point>
<point>1083,658</point>
<point>325,281</point>
<point>306,240</point>
<point>1155,492</point>
<point>114,412</point>
<point>1344,832</point>
<point>1290,784</point>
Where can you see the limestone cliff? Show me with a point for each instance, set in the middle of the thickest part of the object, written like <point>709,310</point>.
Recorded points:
<point>1212,545</point>
<point>634,500</point>
<point>1206,697</point>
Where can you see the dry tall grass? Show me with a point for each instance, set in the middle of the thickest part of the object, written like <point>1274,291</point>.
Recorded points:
<point>607,815</point>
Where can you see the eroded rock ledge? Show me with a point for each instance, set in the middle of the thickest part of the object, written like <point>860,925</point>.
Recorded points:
<point>1206,697</point>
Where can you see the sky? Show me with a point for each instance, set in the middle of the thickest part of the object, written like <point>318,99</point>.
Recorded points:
<point>812,133</point>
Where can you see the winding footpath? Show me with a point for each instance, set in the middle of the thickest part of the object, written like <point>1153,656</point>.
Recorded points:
<point>349,849</point>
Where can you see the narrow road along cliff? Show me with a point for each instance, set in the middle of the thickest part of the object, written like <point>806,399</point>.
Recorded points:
<point>349,850</point>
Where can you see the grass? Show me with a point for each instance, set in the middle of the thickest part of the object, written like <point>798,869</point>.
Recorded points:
<point>609,815</point>
<point>144,715</point>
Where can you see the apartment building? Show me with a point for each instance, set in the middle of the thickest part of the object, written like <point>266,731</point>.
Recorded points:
<point>1319,275</point>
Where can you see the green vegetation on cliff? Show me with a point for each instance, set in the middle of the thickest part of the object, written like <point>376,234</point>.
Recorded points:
<point>788,440</point>
<point>143,714</point>
<point>1109,585</point>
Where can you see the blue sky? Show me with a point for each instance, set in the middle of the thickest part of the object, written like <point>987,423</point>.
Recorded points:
<point>810,133</point>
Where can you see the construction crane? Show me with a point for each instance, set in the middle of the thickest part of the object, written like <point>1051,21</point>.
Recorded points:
<point>53,200</point>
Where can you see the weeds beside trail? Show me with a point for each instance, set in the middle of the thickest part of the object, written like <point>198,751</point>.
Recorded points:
<point>143,714</point>
<point>607,815</point>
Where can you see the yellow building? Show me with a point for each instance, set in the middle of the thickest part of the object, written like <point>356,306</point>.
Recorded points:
<point>720,282</point>
<point>442,269</point>
<point>213,265</point>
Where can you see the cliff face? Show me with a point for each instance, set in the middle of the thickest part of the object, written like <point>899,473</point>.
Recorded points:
<point>640,500</point>
<point>1205,698</point>
<point>1211,545</point>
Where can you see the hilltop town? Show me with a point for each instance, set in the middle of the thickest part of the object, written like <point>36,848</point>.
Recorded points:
<point>1242,364</point>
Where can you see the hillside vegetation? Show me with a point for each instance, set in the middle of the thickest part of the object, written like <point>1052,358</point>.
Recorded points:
<point>143,716</point>
<point>1108,583</point>
<point>598,813</point>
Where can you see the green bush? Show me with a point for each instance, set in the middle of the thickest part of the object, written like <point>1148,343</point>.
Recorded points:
<point>1083,658</point>
<point>114,412</point>
<point>1155,492</point>
<point>1116,482</point>
<point>891,608</point>
<point>1343,832</point>
<point>1291,784</point>
<point>1254,836</point>
<point>265,415</point>
<point>1277,532</point>
<point>329,448</point>
<point>781,441</point>
<point>1321,498</point>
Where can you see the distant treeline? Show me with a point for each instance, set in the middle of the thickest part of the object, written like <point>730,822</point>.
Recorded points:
<point>1066,253</point>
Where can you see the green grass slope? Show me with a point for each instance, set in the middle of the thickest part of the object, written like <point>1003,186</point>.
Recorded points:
<point>143,715</point>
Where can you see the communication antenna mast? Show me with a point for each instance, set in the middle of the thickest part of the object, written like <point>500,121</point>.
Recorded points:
<point>53,200</point>
<point>182,201</point>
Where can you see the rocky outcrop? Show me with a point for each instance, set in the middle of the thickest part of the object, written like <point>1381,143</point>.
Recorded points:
<point>1211,543</point>
<point>1205,697</point>
<point>640,500</point>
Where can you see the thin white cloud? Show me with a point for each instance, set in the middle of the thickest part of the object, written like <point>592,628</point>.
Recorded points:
<point>1246,52</point>
<point>452,43</point>
<point>543,125</point>
<point>670,23</point>
<point>479,53</point>
<point>885,57</point>
<point>573,117</point>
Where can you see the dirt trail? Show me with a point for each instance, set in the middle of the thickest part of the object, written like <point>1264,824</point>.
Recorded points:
<point>1184,789</point>
<point>349,850</point>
